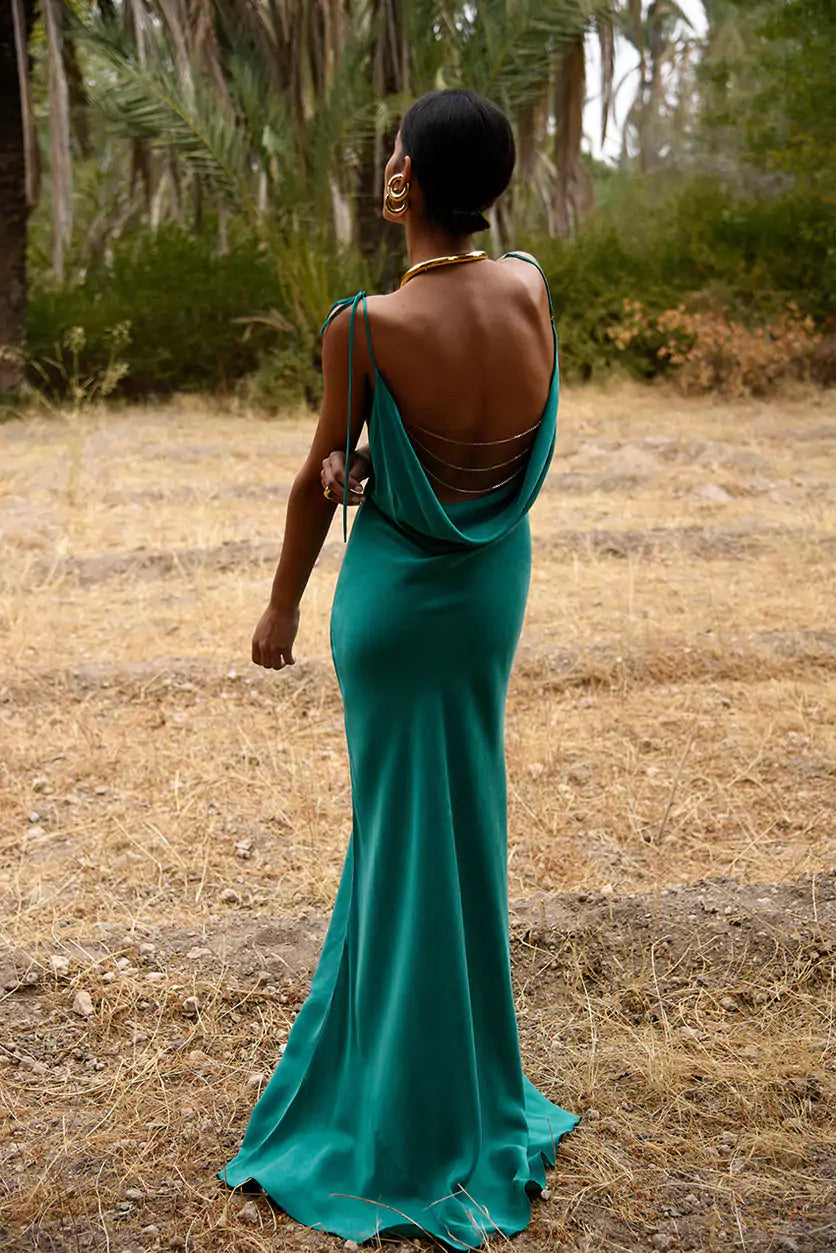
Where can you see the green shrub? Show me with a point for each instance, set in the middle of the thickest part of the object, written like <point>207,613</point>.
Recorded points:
<point>698,245</point>
<point>288,375</point>
<point>695,245</point>
<point>181,298</point>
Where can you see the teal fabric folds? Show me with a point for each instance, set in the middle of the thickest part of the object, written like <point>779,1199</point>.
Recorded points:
<point>400,1104</point>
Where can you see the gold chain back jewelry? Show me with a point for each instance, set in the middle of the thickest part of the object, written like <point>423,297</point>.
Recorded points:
<point>397,200</point>
<point>478,254</point>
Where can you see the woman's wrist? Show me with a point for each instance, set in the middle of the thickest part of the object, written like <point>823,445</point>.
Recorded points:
<point>282,603</point>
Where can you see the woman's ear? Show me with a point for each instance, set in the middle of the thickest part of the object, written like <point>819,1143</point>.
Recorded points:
<point>407,169</point>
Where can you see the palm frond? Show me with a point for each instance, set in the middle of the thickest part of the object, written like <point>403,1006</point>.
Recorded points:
<point>148,98</point>
<point>508,51</point>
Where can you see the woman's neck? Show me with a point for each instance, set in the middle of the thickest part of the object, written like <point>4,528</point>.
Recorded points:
<point>422,243</point>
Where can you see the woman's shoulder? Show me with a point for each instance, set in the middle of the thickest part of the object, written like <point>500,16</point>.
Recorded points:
<point>525,263</point>
<point>519,254</point>
<point>383,304</point>
<point>530,271</point>
<point>345,302</point>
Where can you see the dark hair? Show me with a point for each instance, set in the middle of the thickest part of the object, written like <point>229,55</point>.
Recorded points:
<point>462,150</point>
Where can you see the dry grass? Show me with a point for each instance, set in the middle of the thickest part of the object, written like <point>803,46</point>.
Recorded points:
<point>670,742</point>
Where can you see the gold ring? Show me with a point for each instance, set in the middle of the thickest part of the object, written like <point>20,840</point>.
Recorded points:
<point>327,494</point>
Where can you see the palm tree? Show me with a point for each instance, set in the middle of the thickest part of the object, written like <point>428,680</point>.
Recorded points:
<point>16,187</point>
<point>285,110</point>
<point>664,59</point>
<point>335,73</point>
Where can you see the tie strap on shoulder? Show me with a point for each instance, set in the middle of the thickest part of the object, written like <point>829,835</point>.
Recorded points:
<point>353,301</point>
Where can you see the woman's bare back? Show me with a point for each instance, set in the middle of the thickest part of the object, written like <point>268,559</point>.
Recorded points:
<point>467,354</point>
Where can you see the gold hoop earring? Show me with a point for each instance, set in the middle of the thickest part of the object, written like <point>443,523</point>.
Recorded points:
<point>396,200</point>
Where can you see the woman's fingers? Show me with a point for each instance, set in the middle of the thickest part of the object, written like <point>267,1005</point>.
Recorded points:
<point>272,642</point>
<point>272,658</point>
<point>333,479</point>
<point>333,476</point>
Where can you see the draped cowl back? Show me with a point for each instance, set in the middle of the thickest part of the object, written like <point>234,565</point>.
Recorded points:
<point>399,485</point>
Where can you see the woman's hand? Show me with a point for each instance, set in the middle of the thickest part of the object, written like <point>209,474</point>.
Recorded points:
<point>333,475</point>
<point>274,636</point>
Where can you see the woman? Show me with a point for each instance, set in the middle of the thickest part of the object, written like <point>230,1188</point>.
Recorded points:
<point>400,1104</point>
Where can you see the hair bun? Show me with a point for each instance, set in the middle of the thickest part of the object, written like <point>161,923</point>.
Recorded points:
<point>466,221</point>
<point>462,149</point>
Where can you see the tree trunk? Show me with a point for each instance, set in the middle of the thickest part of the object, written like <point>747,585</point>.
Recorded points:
<point>13,207</point>
<point>390,74</point>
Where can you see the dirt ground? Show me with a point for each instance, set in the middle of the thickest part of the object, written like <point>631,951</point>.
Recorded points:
<point>173,822</point>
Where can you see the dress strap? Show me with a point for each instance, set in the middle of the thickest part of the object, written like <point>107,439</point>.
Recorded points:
<point>369,335</point>
<point>353,301</point>
<point>521,256</point>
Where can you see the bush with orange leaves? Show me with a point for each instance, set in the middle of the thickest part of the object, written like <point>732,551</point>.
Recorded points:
<point>707,352</point>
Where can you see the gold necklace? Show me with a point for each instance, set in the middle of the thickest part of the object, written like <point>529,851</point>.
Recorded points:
<point>478,254</point>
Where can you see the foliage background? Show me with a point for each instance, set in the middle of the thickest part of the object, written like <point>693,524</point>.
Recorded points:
<point>219,174</point>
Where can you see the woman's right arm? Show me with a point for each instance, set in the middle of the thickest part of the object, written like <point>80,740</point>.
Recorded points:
<point>309,513</point>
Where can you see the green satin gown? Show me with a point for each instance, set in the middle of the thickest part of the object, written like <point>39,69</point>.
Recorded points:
<point>400,1105</point>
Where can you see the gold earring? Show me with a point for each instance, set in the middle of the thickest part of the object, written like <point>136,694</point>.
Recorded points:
<point>397,200</point>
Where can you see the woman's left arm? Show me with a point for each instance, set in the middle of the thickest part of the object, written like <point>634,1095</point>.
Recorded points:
<point>309,513</point>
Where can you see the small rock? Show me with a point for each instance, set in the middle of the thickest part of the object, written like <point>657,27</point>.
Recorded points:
<point>123,963</point>
<point>108,976</point>
<point>151,1231</point>
<point>248,1213</point>
<point>100,791</point>
<point>83,1003</point>
<point>243,850</point>
<point>607,889</point>
<point>728,1002</point>
<point>60,965</point>
<point>147,949</point>
<point>190,1006</point>
<point>662,1241</point>
<point>34,833</point>
<point>34,816</point>
<point>256,1080</point>
<point>134,1194</point>
<point>229,896</point>
<point>176,1242</point>
<point>40,785</point>
<point>714,494</point>
<point>593,1114</point>
<point>351,1245</point>
<point>37,1068</point>
<point>155,976</point>
<point>545,1194</point>
<point>194,954</point>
